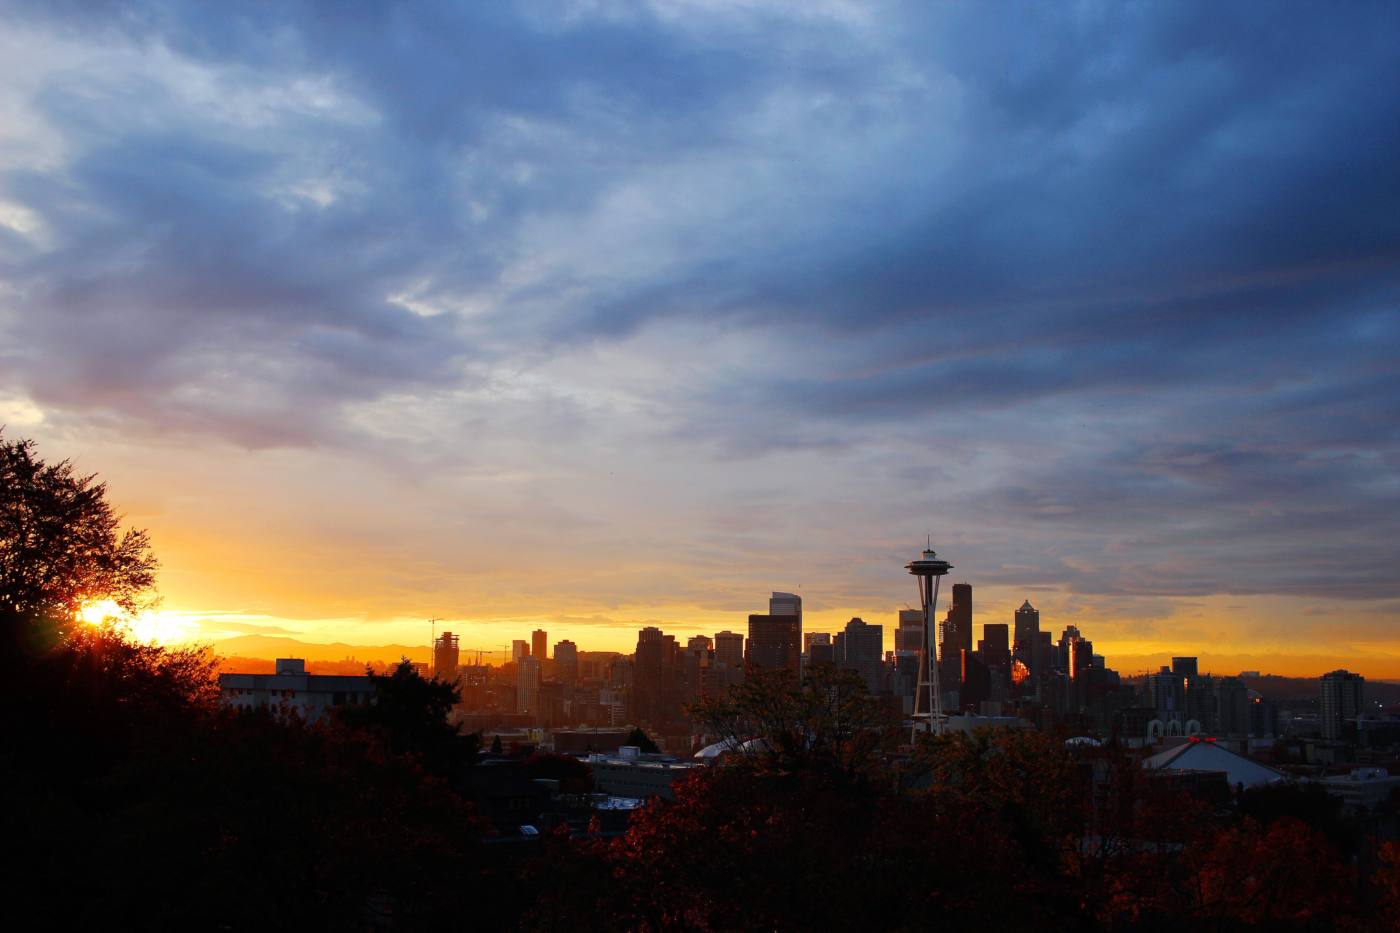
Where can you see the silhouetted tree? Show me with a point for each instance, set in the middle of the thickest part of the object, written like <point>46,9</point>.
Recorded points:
<point>643,741</point>
<point>409,712</point>
<point>60,547</point>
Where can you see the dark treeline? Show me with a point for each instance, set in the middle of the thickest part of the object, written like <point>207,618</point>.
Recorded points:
<point>134,800</point>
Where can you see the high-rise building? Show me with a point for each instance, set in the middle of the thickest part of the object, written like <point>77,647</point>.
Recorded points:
<point>995,646</point>
<point>821,653</point>
<point>1165,691</point>
<point>976,680</point>
<point>785,604</point>
<point>861,648</point>
<point>729,649</point>
<point>1026,646</point>
<point>814,638</point>
<point>1185,667</point>
<point>699,644</point>
<point>1342,701</point>
<point>775,642</point>
<point>957,627</point>
<point>527,685</point>
<point>565,661</point>
<point>1081,657</point>
<point>446,656</point>
<point>539,645</point>
<point>519,648</point>
<point>655,677</point>
<point>910,631</point>
<point>1232,707</point>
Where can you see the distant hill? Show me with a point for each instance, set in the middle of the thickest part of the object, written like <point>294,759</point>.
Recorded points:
<point>269,647</point>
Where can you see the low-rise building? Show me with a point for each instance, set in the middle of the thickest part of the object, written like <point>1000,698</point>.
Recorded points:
<point>1362,789</point>
<point>292,691</point>
<point>632,774</point>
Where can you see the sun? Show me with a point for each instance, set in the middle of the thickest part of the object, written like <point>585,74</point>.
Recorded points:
<point>147,626</point>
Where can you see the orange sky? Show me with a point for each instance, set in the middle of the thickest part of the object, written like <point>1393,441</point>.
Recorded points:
<point>265,542</point>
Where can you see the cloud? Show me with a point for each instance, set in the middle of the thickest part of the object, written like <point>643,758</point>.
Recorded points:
<point>1110,299</point>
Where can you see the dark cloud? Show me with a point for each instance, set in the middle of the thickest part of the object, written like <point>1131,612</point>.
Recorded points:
<point>1131,273</point>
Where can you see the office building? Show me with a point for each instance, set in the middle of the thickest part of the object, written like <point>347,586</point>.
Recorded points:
<point>861,648</point>
<point>519,648</point>
<point>539,645</point>
<point>995,646</point>
<point>655,677</point>
<point>1026,646</point>
<point>785,604</point>
<point>729,649</point>
<point>910,632</point>
<point>1185,667</point>
<point>957,626</point>
<point>1342,703</point>
<point>775,639</point>
<point>527,685</point>
<point>565,662</point>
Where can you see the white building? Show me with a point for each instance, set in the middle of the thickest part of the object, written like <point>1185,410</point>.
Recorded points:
<point>293,691</point>
<point>1207,755</point>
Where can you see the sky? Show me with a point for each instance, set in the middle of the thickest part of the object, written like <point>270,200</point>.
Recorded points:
<point>593,315</point>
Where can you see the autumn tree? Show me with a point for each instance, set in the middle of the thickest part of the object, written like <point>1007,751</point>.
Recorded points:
<point>825,721</point>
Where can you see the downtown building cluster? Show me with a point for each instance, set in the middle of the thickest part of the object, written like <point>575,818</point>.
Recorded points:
<point>1015,673</point>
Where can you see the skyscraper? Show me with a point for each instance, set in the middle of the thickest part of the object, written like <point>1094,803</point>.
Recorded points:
<point>1026,645</point>
<point>655,677</point>
<point>814,638</point>
<point>565,662</point>
<point>775,642</point>
<point>911,629</point>
<point>785,604</point>
<point>995,646</point>
<point>519,648</point>
<point>775,639</point>
<point>1341,703</point>
<point>957,627</point>
<point>861,647</point>
<point>539,644</point>
<point>729,649</point>
<point>527,685</point>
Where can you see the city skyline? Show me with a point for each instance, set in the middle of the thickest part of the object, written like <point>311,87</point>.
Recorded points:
<point>718,299</point>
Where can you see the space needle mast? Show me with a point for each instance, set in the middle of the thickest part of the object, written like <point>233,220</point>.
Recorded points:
<point>928,697</point>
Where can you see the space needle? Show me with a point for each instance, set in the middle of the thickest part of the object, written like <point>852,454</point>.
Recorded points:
<point>928,697</point>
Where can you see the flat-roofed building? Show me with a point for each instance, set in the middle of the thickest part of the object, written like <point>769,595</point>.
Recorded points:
<point>292,691</point>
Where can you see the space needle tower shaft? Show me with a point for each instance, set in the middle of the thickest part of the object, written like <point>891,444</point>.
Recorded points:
<point>929,570</point>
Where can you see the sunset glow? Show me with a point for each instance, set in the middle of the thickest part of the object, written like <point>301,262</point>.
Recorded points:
<point>148,626</point>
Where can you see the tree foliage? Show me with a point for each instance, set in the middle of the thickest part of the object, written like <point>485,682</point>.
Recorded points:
<point>826,721</point>
<point>61,543</point>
